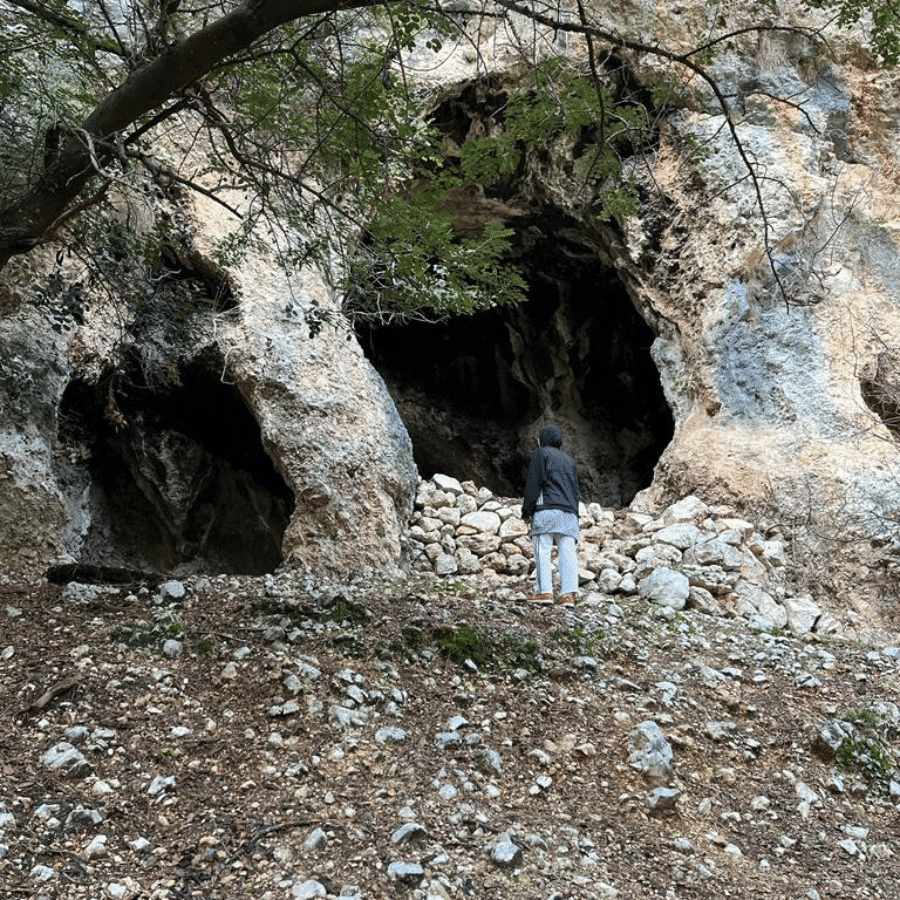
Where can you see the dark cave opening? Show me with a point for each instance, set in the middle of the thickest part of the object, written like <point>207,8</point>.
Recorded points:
<point>170,477</point>
<point>474,390</point>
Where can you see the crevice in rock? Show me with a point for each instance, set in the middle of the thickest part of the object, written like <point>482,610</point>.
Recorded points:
<point>881,391</point>
<point>169,476</point>
<point>472,391</point>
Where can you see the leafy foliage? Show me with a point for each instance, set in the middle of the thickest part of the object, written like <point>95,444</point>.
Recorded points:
<point>558,102</point>
<point>882,19</point>
<point>314,139</point>
<point>463,643</point>
<point>869,756</point>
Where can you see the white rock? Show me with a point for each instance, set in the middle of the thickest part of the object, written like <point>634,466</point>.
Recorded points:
<point>512,527</point>
<point>172,648</point>
<point>96,848</point>
<point>445,564</point>
<point>715,552</point>
<point>447,483</point>
<point>161,783</point>
<point>307,890</point>
<point>505,853</point>
<point>406,873</point>
<point>480,544</point>
<point>390,734</point>
<point>229,671</point>
<point>608,580</point>
<point>774,554</point>
<point>484,521</point>
<point>651,754</point>
<point>467,562</point>
<point>172,590</point>
<point>680,534</point>
<point>666,587</point>
<point>688,509</point>
<point>662,798</point>
<point>754,599</point>
<point>315,840</point>
<point>449,515</point>
<point>64,758</point>
<point>802,613</point>
<point>42,873</point>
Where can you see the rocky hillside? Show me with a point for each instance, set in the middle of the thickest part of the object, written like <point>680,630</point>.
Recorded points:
<point>277,737</point>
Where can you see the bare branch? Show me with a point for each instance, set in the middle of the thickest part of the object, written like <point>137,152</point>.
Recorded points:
<point>686,60</point>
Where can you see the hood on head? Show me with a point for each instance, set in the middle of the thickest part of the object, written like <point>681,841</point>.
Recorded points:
<point>551,436</point>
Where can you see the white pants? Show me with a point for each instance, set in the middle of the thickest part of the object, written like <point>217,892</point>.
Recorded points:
<point>568,563</point>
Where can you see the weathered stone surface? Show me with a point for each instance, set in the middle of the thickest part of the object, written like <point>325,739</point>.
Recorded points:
<point>67,760</point>
<point>666,587</point>
<point>651,754</point>
<point>802,614</point>
<point>132,495</point>
<point>446,483</point>
<point>681,535</point>
<point>484,520</point>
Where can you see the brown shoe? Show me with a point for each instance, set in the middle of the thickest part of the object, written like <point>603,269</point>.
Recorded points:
<point>540,599</point>
<point>568,600</point>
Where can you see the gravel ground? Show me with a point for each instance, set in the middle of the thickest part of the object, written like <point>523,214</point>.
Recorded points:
<point>274,738</point>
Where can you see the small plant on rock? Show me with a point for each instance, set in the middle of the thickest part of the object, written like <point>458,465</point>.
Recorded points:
<point>869,759</point>
<point>867,755</point>
<point>464,643</point>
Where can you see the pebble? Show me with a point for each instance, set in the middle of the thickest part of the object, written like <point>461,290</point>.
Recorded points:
<point>505,853</point>
<point>408,831</point>
<point>662,799</point>
<point>409,874</point>
<point>307,890</point>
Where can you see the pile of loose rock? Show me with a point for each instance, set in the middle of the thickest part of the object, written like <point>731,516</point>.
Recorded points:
<point>286,738</point>
<point>690,556</point>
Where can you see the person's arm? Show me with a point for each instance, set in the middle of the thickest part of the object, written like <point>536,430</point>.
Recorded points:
<point>532,485</point>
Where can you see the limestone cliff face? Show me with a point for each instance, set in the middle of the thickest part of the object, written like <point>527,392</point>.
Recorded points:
<point>115,437</point>
<point>327,421</point>
<point>32,376</point>
<point>182,436</point>
<point>782,385</point>
<point>780,389</point>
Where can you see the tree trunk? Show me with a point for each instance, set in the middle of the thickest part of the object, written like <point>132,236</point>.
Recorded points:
<point>32,216</point>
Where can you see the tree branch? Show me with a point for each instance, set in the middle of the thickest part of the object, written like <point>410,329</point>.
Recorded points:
<point>686,60</point>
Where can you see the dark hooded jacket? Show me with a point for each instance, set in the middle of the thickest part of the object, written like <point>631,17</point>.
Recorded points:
<point>551,472</point>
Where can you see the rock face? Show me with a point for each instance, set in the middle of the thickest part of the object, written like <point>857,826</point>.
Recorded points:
<point>221,438</point>
<point>32,374</point>
<point>772,338</point>
<point>775,386</point>
<point>329,424</point>
<point>772,342</point>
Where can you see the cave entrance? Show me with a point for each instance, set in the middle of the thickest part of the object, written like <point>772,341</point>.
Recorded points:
<point>475,390</point>
<point>170,477</point>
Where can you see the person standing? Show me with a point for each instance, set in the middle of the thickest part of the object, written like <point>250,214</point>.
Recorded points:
<point>551,504</point>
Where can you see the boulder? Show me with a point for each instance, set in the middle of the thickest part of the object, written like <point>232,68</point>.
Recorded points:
<point>665,587</point>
